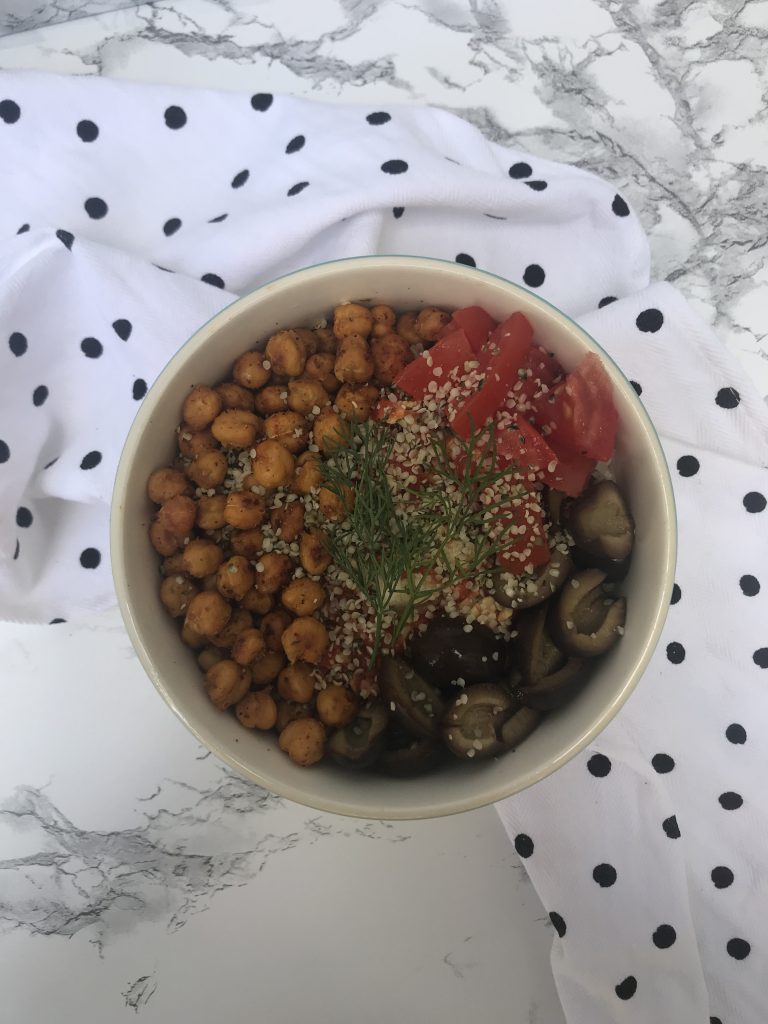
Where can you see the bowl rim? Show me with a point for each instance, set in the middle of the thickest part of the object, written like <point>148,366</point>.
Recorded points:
<point>448,806</point>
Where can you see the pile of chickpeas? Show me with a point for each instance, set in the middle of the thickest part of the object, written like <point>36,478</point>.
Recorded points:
<point>241,514</point>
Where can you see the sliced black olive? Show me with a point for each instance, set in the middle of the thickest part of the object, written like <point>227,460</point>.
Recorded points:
<point>557,688</point>
<point>359,744</point>
<point>519,726</point>
<point>474,721</point>
<point>584,620</point>
<point>537,653</point>
<point>417,704</point>
<point>449,650</point>
<point>602,529</point>
<point>521,592</point>
<point>415,757</point>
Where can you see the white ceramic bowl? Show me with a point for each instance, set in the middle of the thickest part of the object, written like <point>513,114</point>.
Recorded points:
<point>404,282</point>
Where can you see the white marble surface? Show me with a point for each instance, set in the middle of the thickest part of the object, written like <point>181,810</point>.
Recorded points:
<point>137,877</point>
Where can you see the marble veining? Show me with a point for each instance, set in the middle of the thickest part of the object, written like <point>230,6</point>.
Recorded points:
<point>22,16</point>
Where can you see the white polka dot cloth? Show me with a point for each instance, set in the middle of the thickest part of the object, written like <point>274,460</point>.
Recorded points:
<point>130,214</point>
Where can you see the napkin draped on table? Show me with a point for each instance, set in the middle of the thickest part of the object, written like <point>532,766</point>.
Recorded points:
<point>130,214</point>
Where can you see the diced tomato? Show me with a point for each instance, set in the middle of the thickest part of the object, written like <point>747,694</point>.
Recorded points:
<point>529,549</point>
<point>541,368</point>
<point>447,354</point>
<point>581,412</point>
<point>524,445</point>
<point>503,355</point>
<point>571,473</point>
<point>476,323</point>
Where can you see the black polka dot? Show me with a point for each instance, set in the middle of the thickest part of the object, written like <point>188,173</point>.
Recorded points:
<point>378,117</point>
<point>39,395</point>
<point>523,844</point>
<point>10,111</point>
<point>87,131</point>
<point>676,594</point>
<point>96,208</point>
<point>627,988</point>
<point>558,922</point>
<point>296,143</point>
<point>606,301</point>
<point>688,465</point>
<point>23,517</point>
<point>754,502</point>
<point>91,460</point>
<point>534,275</point>
<point>675,653</point>
<point>736,733</point>
<point>662,763</point>
<point>730,801</point>
<point>91,347</point>
<point>739,949</point>
<point>750,585</point>
<point>394,167</point>
<point>520,170</point>
<point>671,828</point>
<point>760,657</point>
<point>56,622</point>
<point>727,398</point>
<point>171,226</point>
<point>23,229</point>
<point>17,343</point>
<point>51,463</point>
<point>664,936</point>
<point>494,216</point>
<point>604,875</point>
<point>261,101</point>
<point>66,238</point>
<point>175,117</point>
<point>90,558</point>
<point>219,219</point>
<point>466,259</point>
<point>599,765</point>
<point>537,186</point>
<point>139,389</point>
<point>619,206</point>
<point>298,187</point>
<point>638,389</point>
<point>16,551</point>
<point>122,329</point>
<point>5,452</point>
<point>240,179</point>
<point>213,279</point>
<point>398,211</point>
<point>722,877</point>
<point>715,1020</point>
<point>649,321</point>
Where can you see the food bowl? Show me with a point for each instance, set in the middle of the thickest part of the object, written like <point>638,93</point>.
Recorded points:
<point>404,282</point>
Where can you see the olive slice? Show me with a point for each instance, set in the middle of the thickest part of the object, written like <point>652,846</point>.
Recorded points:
<point>585,621</point>
<point>557,688</point>
<point>451,649</point>
<point>527,591</point>
<point>519,726</point>
<point>417,704</point>
<point>416,757</point>
<point>359,744</point>
<point>537,653</point>
<point>473,723</point>
<point>602,529</point>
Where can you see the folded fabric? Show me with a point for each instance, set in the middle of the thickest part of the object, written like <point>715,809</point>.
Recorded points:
<point>131,214</point>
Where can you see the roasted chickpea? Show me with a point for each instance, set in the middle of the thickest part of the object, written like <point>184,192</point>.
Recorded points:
<point>313,552</point>
<point>329,431</point>
<point>406,328</point>
<point>430,322</point>
<point>192,444</point>
<point>354,362</point>
<point>239,622</point>
<point>308,476</point>
<point>267,668</point>
<point>173,565</point>
<point>297,683</point>
<point>356,402</point>
<point>290,429</point>
<point>256,710</point>
<point>176,592</point>
<point>303,596</point>
<point>237,428</point>
<point>326,339</point>
<point>226,683</point>
<point>287,521</point>
<point>248,647</point>
<point>257,602</point>
<point>391,354</point>
<point>273,626</point>
<point>273,465</point>
<point>235,577</point>
<point>202,557</point>
<point>208,657</point>
<point>247,542</point>
<point>383,320</point>
<point>303,740</point>
<point>235,396</point>
<point>320,368</point>
<point>272,572</point>
<point>291,711</point>
<point>352,318</point>
<point>308,339</point>
<point>307,396</point>
<point>191,638</point>
<point>210,512</point>
<point>208,470</point>
<point>245,510</point>
<point>208,613</point>
<point>209,582</point>
<point>162,540</point>
<point>178,515</point>
<point>201,407</point>
<point>165,484</point>
<point>249,370</point>
<point>287,353</point>
<point>333,507</point>
<point>273,399</point>
<point>336,706</point>
<point>306,639</point>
